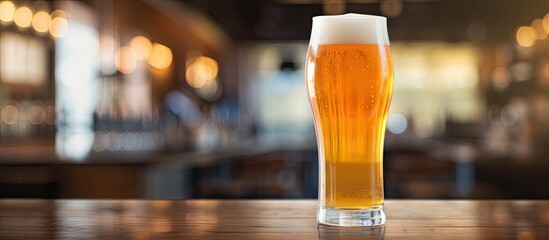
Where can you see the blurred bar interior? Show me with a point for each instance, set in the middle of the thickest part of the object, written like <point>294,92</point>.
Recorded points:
<point>166,99</point>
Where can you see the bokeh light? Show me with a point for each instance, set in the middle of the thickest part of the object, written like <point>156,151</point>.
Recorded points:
<point>537,26</point>
<point>397,123</point>
<point>201,70</point>
<point>36,114</point>
<point>501,78</point>
<point>59,27</point>
<point>23,17</point>
<point>7,11</point>
<point>9,115</point>
<point>546,23</point>
<point>59,13</point>
<point>142,47</point>
<point>51,115</point>
<point>125,60</point>
<point>526,36</point>
<point>161,56</point>
<point>41,22</point>
<point>211,91</point>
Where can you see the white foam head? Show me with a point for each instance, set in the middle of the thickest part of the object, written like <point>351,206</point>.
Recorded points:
<point>349,29</point>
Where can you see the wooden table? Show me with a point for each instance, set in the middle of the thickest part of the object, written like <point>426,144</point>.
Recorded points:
<point>246,219</point>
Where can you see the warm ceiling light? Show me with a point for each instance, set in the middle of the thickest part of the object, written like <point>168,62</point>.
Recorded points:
<point>161,56</point>
<point>41,22</point>
<point>537,25</point>
<point>201,71</point>
<point>142,47</point>
<point>59,27</point>
<point>125,60</point>
<point>209,66</point>
<point>546,23</point>
<point>7,11</point>
<point>193,76</point>
<point>59,13</point>
<point>23,17</point>
<point>526,36</point>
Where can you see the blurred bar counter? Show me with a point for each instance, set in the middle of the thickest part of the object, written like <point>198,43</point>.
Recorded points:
<point>266,169</point>
<point>251,169</point>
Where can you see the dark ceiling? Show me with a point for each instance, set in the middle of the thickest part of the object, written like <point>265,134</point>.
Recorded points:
<point>448,20</point>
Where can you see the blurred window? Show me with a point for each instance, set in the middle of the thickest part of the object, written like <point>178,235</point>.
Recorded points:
<point>76,71</point>
<point>436,81</point>
<point>23,59</point>
<point>282,106</point>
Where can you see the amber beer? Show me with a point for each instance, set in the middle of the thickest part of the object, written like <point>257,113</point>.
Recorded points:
<point>350,83</point>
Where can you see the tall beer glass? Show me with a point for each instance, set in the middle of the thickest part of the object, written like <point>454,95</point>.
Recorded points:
<point>349,77</point>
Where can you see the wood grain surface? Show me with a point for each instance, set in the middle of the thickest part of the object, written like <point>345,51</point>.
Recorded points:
<point>265,219</point>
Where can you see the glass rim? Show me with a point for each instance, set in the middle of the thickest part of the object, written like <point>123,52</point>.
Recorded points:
<point>351,15</point>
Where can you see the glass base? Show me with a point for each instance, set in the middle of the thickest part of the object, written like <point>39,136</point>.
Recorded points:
<point>351,217</point>
<point>339,233</point>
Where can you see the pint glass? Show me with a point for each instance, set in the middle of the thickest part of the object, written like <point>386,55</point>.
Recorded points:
<point>349,77</point>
